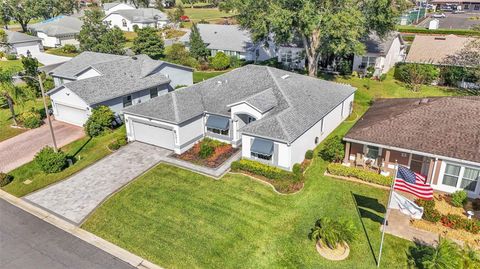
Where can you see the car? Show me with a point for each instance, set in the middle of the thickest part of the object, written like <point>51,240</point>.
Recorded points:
<point>184,18</point>
<point>439,15</point>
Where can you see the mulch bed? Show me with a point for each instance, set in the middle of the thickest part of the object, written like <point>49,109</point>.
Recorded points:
<point>282,186</point>
<point>220,155</point>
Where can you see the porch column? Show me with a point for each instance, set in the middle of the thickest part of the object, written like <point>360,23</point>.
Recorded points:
<point>430,171</point>
<point>387,157</point>
<point>346,159</point>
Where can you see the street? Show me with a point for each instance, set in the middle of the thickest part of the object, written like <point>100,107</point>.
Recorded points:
<point>28,242</point>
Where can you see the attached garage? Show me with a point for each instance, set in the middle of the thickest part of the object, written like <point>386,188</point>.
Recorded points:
<point>22,49</point>
<point>153,134</point>
<point>70,114</point>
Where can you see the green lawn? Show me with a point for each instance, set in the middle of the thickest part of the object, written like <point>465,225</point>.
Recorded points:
<point>60,52</point>
<point>14,65</point>
<point>208,14</point>
<point>6,131</point>
<point>199,76</point>
<point>86,152</point>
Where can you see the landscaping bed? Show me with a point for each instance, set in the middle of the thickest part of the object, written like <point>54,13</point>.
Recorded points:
<point>208,152</point>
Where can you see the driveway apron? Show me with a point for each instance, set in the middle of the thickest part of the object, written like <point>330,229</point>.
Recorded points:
<point>76,197</point>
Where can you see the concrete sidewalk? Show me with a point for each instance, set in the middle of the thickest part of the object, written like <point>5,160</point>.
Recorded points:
<point>399,225</point>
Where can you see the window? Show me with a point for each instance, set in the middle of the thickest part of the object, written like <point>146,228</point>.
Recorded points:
<point>217,131</point>
<point>451,174</point>
<point>250,119</point>
<point>372,152</point>
<point>124,23</point>
<point>316,140</point>
<point>469,179</point>
<point>476,7</point>
<point>127,100</point>
<point>368,61</point>
<point>286,57</point>
<point>261,156</point>
<point>153,93</point>
<point>350,107</point>
<point>466,6</point>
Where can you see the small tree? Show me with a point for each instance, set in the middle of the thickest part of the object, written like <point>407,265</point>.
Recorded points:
<point>331,232</point>
<point>333,150</point>
<point>198,49</point>
<point>446,255</point>
<point>178,54</point>
<point>414,75</point>
<point>13,94</point>
<point>112,42</point>
<point>50,161</point>
<point>30,67</point>
<point>221,61</point>
<point>96,36</point>
<point>100,121</point>
<point>148,42</point>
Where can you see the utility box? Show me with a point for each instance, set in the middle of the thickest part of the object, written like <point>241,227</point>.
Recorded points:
<point>433,24</point>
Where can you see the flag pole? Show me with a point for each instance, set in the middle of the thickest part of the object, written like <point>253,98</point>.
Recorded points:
<point>386,213</point>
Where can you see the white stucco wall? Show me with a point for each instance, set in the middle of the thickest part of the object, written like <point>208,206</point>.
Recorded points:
<point>116,20</point>
<point>282,153</point>
<point>89,73</point>
<point>298,57</point>
<point>383,63</point>
<point>71,40</point>
<point>48,41</point>
<point>177,74</point>
<point>121,6</point>
<point>59,80</point>
<point>66,97</point>
<point>450,189</point>
<point>264,52</point>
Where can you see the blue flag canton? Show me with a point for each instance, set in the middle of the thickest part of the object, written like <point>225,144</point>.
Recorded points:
<point>406,174</point>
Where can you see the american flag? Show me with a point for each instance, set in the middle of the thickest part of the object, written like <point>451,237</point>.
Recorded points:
<point>408,181</point>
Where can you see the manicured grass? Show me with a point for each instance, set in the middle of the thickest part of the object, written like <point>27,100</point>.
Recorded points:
<point>60,52</point>
<point>208,14</point>
<point>199,76</point>
<point>86,151</point>
<point>6,131</point>
<point>14,65</point>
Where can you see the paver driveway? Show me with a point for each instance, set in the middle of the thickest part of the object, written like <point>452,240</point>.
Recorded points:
<point>76,197</point>
<point>21,149</point>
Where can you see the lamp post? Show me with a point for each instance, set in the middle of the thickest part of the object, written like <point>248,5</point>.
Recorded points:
<point>49,120</point>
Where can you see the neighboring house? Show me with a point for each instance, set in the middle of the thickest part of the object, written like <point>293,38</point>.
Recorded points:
<point>21,44</point>
<point>467,5</point>
<point>381,53</point>
<point>93,79</point>
<point>114,6</point>
<point>58,31</point>
<point>436,137</point>
<point>427,49</point>
<point>126,19</point>
<point>292,55</point>
<point>233,41</point>
<point>274,115</point>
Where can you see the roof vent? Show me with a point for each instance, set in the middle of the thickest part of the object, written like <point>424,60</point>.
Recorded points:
<point>134,57</point>
<point>285,76</point>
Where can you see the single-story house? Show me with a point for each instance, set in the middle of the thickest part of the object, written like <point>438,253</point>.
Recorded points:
<point>428,49</point>
<point>93,79</point>
<point>233,41</point>
<point>274,115</point>
<point>292,54</point>
<point>20,43</point>
<point>125,19</point>
<point>58,31</point>
<point>465,5</point>
<point>114,6</point>
<point>381,53</point>
<point>436,137</point>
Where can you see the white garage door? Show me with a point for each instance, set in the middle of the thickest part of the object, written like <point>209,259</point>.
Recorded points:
<point>71,115</point>
<point>153,135</point>
<point>23,49</point>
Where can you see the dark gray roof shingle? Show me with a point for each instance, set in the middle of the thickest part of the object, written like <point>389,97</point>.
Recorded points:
<point>60,26</point>
<point>16,37</point>
<point>142,15</point>
<point>376,44</point>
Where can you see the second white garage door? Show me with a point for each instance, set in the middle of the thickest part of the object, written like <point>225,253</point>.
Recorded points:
<point>71,115</point>
<point>23,49</point>
<point>154,135</point>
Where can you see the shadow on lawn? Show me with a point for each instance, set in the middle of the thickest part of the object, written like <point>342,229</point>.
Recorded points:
<point>73,156</point>
<point>364,205</point>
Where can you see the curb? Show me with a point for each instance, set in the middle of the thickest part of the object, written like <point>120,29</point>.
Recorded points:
<point>88,237</point>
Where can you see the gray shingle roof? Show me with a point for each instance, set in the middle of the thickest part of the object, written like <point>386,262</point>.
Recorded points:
<point>16,37</point>
<point>444,126</point>
<point>107,6</point>
<point>223,37</point>
<point>300,101</point>
<point>120,75</point>
<point>60,26</point>
<point>375,44</point>
<point>142,15</point>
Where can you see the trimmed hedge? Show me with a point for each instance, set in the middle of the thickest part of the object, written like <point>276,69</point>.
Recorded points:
<point>406,29</point>
<point>309,154</point>
<point>264,170</point>
<point>458,198</point>
<point>429,212</point>
<point>362,174</point>
<point>31,119</point>
<point>50,161</point>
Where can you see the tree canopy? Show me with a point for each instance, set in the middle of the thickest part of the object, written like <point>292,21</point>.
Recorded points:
<point>148,42</point>
<point>52,8</point>
<point>198,49</point>
<point>333,26</point>
<point>20,10</point>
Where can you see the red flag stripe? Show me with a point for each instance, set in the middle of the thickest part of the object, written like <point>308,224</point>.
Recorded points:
<point>425,197</point>
<point>413,186</point>
<point>426,192</point>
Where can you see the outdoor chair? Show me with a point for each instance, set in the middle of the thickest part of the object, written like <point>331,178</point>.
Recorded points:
<point>359,160</point>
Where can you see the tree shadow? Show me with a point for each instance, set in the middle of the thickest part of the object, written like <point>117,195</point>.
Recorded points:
<point>418,252</point>
<point>74,155</point>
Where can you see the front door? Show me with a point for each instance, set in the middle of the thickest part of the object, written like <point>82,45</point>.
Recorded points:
<point>420,164</point>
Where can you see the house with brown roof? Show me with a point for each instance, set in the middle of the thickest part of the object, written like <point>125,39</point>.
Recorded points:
<point>436,137</point>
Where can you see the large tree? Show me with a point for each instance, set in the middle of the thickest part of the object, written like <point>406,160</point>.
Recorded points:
<point>96,36</point>
<point>12,93</point>
<point>52,8</point>
<point>20,10</point>
<point>324,26</point>
<point>198,49</point>
<point>30,67</point>
<point>148,42</point>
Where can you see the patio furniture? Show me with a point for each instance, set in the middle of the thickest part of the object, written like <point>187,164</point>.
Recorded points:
<point>377,165</point>
<point>359,161</point>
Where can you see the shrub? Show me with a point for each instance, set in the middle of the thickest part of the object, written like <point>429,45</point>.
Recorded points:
<point>472,226</point>
<point>2,54</point>
<point>5,179</point>
<point>411,73</point>
<point>382,77</point>
<point>429,212</point>
<point>333,149</point>
<point>264,170</point>
<point>458,198</point>
<point>221,61</point>
<point>362,174</point>
<point>476,204</point>
<point>235,62</point>
<point>11,57</point>
<point>118,143</point>
<point>51,161</point>
<point>69,48</point>
<point>206,150</point>
<point>309,154</point>
<point>100,121</point>
<point>453,221</point>
<point>333,232</point>
<point>31,119</point>
<point>297,169</point>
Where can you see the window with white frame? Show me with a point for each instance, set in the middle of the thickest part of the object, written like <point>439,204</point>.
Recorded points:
<point>461,177</point>
<point>217,131</point>
<point>153,92</point>
<point>286,56</point>
<point>368,61</point>
<point>261,156</point>
<point>127,100</point>
<point>372,152</point>
<point>451,174</point>
<point>469,179</point>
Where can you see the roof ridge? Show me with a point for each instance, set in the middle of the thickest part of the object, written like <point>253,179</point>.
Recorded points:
<point>279,87</point>
<point>175,106</point>
<point>282,126</point>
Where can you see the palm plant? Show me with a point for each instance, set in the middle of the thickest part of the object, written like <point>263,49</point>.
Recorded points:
<point>446,255</point>
<point>470,258</point>
<point>11,93</point>
<point>331,232</point>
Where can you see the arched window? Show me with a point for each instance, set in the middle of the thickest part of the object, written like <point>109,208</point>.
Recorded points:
<point>124,23</point>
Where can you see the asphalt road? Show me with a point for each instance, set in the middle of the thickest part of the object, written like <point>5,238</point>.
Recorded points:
<point>28,242</point>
